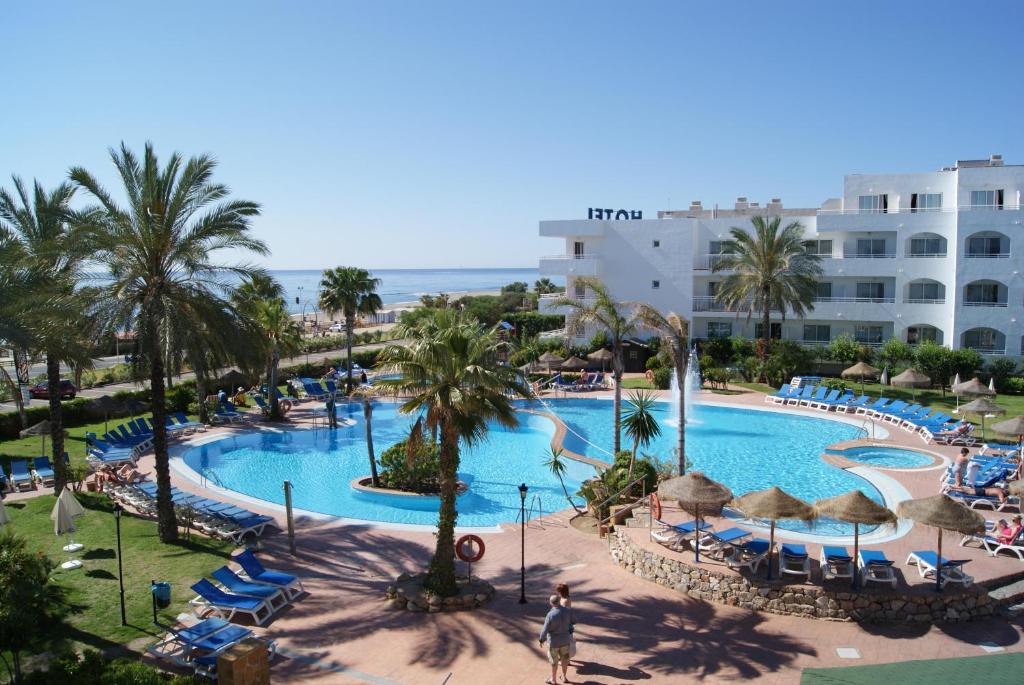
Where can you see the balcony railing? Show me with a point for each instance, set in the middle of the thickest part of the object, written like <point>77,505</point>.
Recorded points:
<point>705,262</point>
<point>924,300</point>
<point>982,303</point>
<point>987,349</point>
<point>570,256</point>
<point>877,300</point>
<point>986,255</point>
<point>870,255</point>
<point>826,343</point>
<point>918,210</point>
<point>548,298</point>
<point>925,255</point>
<point>709,303</point>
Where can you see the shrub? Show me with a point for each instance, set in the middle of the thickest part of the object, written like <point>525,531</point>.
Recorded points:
<point>965,362</point>
<point>895,351</point>
<point>720,350</point>
<point>835,384</point>
<point>91,667</point>
<point>421,474</point>
<point>614,478</point>
<point>717,377</point>
<point>1014,385</point>
<point>843,348</point>
<point>654,362</point>
<point>1001,369</point>
<point>662,378</point>
<point>529,324</point>
<point>599,340</point>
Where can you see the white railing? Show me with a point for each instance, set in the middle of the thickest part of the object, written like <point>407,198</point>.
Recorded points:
<point>570,256</point>
<point>925,255</point>
<point>983,255</point>
<point>708,261</point>
<point>922,300</point>
<point>826,343</point>
<point>709,303</point>
<point>987,350</point>
<point>858,255</point>
<point>918,210</point>
<point>984,304</point>
<point>877,300</point>
<point>551,297</point>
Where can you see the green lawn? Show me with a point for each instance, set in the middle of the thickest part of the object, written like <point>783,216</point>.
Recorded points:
<point>637,384</point>
<point>994,668</point>
<point>93,589</point>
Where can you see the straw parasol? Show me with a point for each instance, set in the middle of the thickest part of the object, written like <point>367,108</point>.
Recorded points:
<point>574,364</point>
<point>550,359</point>
<point>860,370</point>
<point>913,379</point>
<point>697,495</point>
<point>105,404</point>
<point>231,379</point>
<point>1017,488</point>
<point>1014,426</point>
<point>773,504</point>
<point>603,355</point>
<point>982,407</point>
<point>41,429</point>
<point>942,513</point>
<point>64,513</point>
<point>855,507</point>
<point>972,387</point>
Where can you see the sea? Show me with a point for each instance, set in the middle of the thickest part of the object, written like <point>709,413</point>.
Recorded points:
<point>405,285</point>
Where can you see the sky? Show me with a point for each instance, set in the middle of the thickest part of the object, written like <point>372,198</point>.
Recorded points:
<point>424,135</point>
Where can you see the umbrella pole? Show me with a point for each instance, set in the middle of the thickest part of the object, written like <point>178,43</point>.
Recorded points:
<point>938,566</point>
<point>771,546</point>
<point>696,535</point>
<point>855,566</point>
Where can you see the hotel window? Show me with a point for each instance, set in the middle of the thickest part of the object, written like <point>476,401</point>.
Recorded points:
<point>822,248</point>
<point>824,291</point>
<point>655,243</point>
<point>923,291</point>
<point>868,335</point>
<point>984,245</point>
<point>817,333</point>
<point>581,291</point>
<point>920,334</point>
<point>578,250</point>
<point>719,329</point>
<point>987,293</point>
<point>870,291</point>
<point>870,247</point>
<point>926,247</point>
<point>712,288</point>
<point>776,329</point>
<point>986,199</point>
<point>981,338</point>
<point>873,203</point>
<point>655,285</point>
<point>925,202</point>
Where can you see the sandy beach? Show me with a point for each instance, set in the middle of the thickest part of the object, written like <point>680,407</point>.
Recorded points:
<point>398,306</point>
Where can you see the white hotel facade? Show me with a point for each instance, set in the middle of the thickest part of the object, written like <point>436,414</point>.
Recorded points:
<point>919,256</point>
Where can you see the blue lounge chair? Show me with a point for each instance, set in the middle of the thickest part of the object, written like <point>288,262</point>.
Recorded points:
<point>818,395</point>
<point>714,542</point>
<point>898,416</point>
<point>836,562</point>
<point>854,404</point>
<point>876,406</point>
<point>889,410</point>
<point>839,402</point>
<point>256,572</point>
<point>988,501</point>
<point>794,560</point>
<point>672,534</point>
<point>208,637</point>
<point>331,387</point>
<point>806,393</point>
<point>825,401</point>
<point>315,391</point>
<point>231,582</point>
<point>928,561</point>
<point>224,414</point>
<point>781,394</point>
<point>749,554</point>
<point>184,421</point>
<point>209,596</point>
<point>20,474</point>
<point>44,470</point>
<point>875,567</point>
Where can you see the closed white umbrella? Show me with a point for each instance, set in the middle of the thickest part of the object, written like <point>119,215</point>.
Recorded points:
<point>4,518</point>
<point>956,382</point>
<point>64,513</point>
<point>992,385</point>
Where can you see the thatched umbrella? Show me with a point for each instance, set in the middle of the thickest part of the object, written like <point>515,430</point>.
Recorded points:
<point>574,364</point>
<point>1017,488</point>
<point>855,507</point>
<point>913,379</point>
<point>982,406</point>
<point>550,359</point>
<point>941,512</point>
<point>972,387</point>
<point>602,355</point>
<point>697,495</point>
<point>41,429</point>
<point>860,370</point>
<point>105,404</point>
<point>773,504</point>
<point>231,379</point>
<point>1014,426</point>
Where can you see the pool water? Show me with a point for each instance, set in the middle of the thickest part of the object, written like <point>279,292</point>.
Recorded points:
<point>887,457</point>
<point>321,463</point>
<point>745,449</point>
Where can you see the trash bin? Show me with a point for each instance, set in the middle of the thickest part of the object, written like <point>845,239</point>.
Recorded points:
<point>161,594</point>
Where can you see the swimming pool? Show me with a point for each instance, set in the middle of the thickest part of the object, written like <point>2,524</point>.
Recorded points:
<point>886,457</point>
<point>321,463</point>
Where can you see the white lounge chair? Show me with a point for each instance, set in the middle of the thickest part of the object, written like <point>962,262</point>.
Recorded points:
<point>874,567</point>
<point>750,554</point>
<point>836,562</point>
<point>952,571</point>
<point>794,560</point>
<point>994,547</point>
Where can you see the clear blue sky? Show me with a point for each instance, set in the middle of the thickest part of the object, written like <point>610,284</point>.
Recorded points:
<point>416,134</point>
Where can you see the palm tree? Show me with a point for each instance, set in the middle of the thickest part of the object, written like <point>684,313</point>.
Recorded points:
<point>367,393</point>
<point>281,336</point>
<point>640,423</point>
<point>556,464</point>
<point>351,291</point>
<point>544,286</point>
<point>772,271</point>
<point>450,369</point>
<point>254,288</point>
<point>16,295</point>
<point>674,331</point>
<point>250,298</point>
<point>54,241</point>
<point>161,247</point>
<point>603,312</point>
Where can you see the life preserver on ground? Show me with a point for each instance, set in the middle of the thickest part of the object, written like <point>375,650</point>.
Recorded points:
<point>284,405</point>
<point>464,548</point>
<point>655,507</point>
<point>649,376</point>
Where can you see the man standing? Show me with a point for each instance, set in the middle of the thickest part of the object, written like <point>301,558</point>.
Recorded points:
<point>332,414</point>
<point>557,627</point>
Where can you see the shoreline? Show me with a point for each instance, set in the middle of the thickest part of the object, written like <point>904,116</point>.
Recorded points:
<point>402,306</point>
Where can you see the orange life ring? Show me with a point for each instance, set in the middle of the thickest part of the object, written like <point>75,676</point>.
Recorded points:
<point>284,405</point>
<point>655,507</point>
<point>469,540</point>
<point>649,376</point>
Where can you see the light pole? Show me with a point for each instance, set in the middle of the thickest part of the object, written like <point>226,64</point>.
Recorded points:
<point>522,543</point>
<point>120,569</point>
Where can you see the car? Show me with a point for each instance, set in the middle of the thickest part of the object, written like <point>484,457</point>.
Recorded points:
<point>337,328</point>
<point>41,390</point>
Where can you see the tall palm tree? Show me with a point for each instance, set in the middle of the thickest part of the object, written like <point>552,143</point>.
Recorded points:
<point>674,331</point>
<point>281,336</point>
<point>618,320</point>
<point>250,298</point>
<point>555,463</point>
<point>16,294</point>
<point>367,393</point>
<point>544,286</point>
<point>640,423</point>
<point>351,291</point>
<point>450,370</point>
<point>772,271</point>
<point>55,242</point>
<point>162,247</point>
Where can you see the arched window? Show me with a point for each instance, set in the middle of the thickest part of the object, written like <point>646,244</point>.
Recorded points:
<point>984,340</point>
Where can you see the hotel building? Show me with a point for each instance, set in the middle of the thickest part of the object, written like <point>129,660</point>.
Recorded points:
<point>919,256</point>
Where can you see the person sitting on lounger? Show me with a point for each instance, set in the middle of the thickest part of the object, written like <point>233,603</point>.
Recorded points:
<point>1005,533</point>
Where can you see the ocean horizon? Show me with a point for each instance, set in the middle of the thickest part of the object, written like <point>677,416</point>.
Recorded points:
<point>404,285</point>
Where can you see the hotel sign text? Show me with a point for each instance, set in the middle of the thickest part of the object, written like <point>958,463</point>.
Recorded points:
<point>617,214</point>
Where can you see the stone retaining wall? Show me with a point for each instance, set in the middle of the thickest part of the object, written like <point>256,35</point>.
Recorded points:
<point>869,606</point>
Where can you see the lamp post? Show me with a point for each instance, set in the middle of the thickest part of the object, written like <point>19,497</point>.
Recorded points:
<point>120,569</point>
<point>522,543</point>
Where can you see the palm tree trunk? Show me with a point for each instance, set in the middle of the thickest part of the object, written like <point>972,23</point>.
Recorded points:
<point>60,474</point>
<point>632,455</point>
<point>567,496</point>
<point>617,373</point>
<point>199,366</point>
<point>681,363</point>
<point>766,324</point>
<point>441,577</point>
<point>167,523</point>
<point>275,407</point>
<point>368,417</point>
<point>350,326</point>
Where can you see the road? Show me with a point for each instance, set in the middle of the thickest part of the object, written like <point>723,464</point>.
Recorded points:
<point>117,387</point>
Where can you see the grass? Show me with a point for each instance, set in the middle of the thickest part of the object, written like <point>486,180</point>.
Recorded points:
<point>93,589</point>
<point>994,668</point>
<point>637,384</point>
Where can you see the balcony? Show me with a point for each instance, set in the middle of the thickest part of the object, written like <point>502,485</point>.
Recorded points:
<point>984,303</point>
<point>865,255</point>
<point>546,303</point>
<point>925,255</point>
<point>917,300</point>
<point>987,349</point>
<point>986,255</point>
<point>877,300</point>
<point>707,262</point>
<point>570,265</point>
<point>709,303</point>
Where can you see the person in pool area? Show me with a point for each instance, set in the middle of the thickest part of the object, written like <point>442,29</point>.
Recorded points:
<point>1005,533</point>
<point>557,632</point>
<point>971,487</point>
<point>960,467</point>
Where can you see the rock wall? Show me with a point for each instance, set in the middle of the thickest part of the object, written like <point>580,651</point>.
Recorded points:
<point>871,605</point>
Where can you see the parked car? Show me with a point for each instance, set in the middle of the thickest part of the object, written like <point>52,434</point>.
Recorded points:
<point>337,328</point>
<point>41,391</point>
